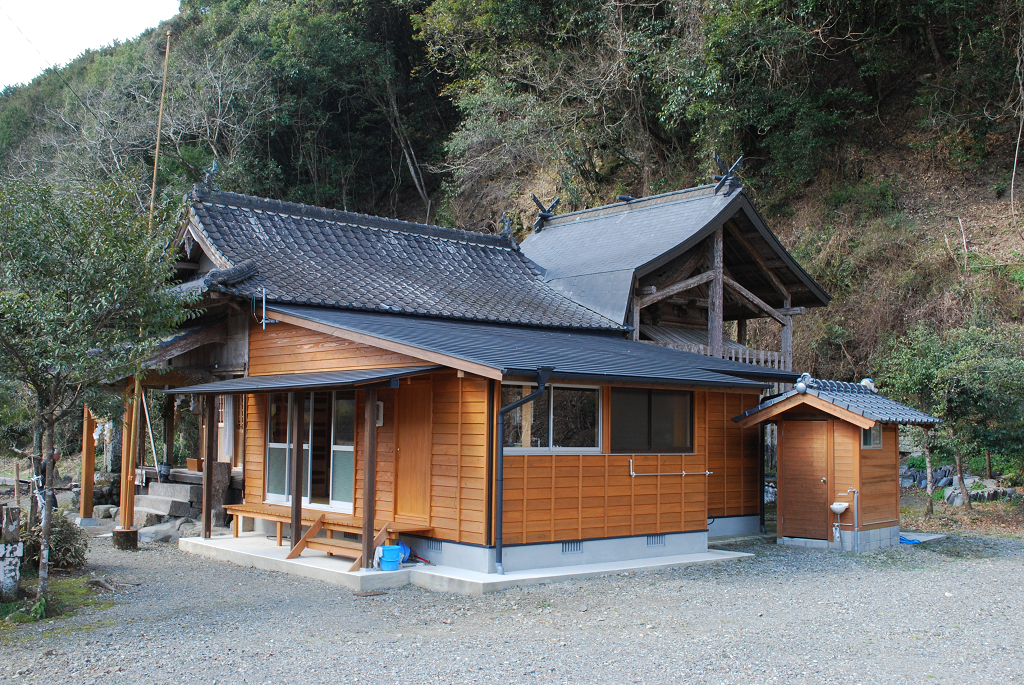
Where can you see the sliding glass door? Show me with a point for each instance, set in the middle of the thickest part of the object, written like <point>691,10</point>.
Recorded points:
<point>328,450</point>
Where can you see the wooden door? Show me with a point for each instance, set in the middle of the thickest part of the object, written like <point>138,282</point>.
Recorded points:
<point>803,489</point>
<point>412,467</point>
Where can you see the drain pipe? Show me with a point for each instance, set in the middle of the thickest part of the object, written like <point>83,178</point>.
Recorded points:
<point>856,519</point>
<point>543,374</point>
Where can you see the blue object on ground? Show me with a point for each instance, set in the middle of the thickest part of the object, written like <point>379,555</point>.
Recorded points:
<point>406,552</point>
<point>908,541</point>
<point>391,557</point>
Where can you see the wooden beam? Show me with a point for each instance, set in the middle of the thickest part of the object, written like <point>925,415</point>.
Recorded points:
<point>297,547</point>
<point>741,331</point>
<point>295,405</point>
<point>88,465</point>
<point>217,333</point>
<point>168,429</point>
<point>384,344</point>
<point>208,458</point>
<point>772,278</point>
<point>754,300</point>
<point>686,269</point>
<point>674,289</point>
<point>635,318</point>
<point>370,475</point>
<point>809,400</point>
<point>792,311</point>
<point>716,296</point>
<point>128,460</point>
<point>787,339</point>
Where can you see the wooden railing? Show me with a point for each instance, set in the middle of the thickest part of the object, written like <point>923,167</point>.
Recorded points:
<point>744,355</point>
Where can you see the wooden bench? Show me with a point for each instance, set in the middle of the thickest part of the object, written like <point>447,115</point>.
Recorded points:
<point>386,532</point>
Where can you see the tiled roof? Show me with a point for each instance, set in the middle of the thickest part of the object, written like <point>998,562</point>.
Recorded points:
<point>330,258</point>
<point>854,397</point>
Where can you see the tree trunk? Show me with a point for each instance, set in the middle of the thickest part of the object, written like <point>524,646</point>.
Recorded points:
<point>988,464</point>
<point>44,544</point>
<point>928,510</point>
<point>960,479</point>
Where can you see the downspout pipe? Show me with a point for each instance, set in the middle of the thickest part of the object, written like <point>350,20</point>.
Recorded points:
<point>543,374</point>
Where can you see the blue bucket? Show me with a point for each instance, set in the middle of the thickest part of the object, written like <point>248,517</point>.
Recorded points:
<point>391,557</point>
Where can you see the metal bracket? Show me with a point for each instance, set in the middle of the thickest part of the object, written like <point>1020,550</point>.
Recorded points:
<point>634,474</point>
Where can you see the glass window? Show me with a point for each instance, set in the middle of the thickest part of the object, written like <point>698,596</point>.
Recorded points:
<point>871,438</point>
<point>651,421</point>
<point>574,415</point>
<point>671,422</point>
<point>277,447</point>
<point>564,417</point>
<point>343,463</point>
<point>525,426</point>
<point>630,419</point>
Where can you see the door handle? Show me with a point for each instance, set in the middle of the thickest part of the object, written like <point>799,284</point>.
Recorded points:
<point>824,480</point>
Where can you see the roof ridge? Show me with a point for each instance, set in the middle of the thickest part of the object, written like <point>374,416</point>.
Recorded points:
<point>638,203</point>
<point>201,194</point>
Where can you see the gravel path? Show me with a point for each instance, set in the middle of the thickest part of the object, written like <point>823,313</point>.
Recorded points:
<point>951,612</point>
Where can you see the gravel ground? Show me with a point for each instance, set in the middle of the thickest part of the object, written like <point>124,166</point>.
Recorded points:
<point>949,611</point>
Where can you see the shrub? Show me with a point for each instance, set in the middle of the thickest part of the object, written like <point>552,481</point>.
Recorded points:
<point>68,543</point>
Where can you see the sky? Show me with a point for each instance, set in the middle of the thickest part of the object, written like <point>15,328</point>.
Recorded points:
<point>63,29</point>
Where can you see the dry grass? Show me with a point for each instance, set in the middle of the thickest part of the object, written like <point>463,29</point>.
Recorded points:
<point>984,518</point>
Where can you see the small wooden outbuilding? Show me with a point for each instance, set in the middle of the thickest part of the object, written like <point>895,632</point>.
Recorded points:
<point>838,456</point>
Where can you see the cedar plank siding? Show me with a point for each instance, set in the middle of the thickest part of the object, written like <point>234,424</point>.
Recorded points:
<point>556,497</point>
<point>284,348</point>
<point>879,482</point>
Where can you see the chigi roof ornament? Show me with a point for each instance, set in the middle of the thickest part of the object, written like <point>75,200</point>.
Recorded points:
<point>545,213</point>
<point>728,179</point>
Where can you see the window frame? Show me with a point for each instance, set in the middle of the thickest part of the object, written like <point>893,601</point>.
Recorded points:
<point>599,449</point>
<point>871,432</point>
<point>334,504</point>
<point>274,498</point>
<point>650,423</point>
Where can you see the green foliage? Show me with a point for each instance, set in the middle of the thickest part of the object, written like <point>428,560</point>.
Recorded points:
<point>68,543</point>
<point>83,291</point>
<point>916,463</point>
<point>972,378</point>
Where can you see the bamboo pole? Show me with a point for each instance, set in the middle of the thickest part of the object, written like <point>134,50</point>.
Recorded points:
<point>159,130</point>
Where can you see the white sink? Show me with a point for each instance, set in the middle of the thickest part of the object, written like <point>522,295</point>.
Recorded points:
<point>839,507</point>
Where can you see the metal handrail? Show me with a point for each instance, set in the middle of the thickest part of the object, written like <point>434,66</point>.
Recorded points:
<point>634,474</point>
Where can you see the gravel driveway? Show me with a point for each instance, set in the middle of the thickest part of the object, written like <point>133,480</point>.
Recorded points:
<point>951,611</point>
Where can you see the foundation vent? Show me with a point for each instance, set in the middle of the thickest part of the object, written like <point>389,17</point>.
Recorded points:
<point>574,547</point>
<point>656,540</point>
<point>352,536</point>
<point>433,545</point>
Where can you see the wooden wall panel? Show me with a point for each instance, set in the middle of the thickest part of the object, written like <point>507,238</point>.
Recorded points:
<point>734,456</point>
<point>284,348</point>
<point>879,482</point>
<point>255,447</point>
<point>846,441</point>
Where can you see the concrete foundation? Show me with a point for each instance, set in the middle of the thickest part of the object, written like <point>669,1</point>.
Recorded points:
<point>256,551</point>
<point>869,540</point>
<point>557,554</point>
<point>732,526</point>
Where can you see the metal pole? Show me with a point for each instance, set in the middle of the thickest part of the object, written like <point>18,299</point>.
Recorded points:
<point>543,374</point>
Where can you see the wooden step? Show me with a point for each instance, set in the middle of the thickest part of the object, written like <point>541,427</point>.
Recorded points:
<point>344,548</point>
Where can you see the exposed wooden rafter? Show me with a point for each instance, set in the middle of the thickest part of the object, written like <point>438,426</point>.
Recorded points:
<point>754,300</point>
<point>674,289</point>
<point>772,278</point>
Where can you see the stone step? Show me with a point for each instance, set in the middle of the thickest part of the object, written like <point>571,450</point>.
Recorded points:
<point>147,517</point>
<point>182,491</point>
<point>163,505</point>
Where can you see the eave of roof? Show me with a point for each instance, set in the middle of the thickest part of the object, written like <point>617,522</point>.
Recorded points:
<point>502,351</point>
<point>302,381</point>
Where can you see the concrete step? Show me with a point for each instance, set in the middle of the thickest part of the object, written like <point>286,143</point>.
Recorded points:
<point>182,491</point>
<point>163,505</point>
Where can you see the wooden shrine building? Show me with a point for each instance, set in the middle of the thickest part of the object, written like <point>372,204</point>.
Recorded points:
<point>495,406</point>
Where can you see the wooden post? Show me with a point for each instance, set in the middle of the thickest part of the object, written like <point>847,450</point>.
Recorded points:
<point>635,335</point>
<point>128,461</point>
<point>88,465</point>
<point>787,340</point>
<point>208,459</point>
<point>716,296</point>
<point>17,484</point>
<point>741,332</point>
<point>295,403</point>
<point>168,430</point>
<point>370,476</point>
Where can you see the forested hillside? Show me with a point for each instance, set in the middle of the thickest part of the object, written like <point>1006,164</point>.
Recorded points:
<point>879,137</point>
